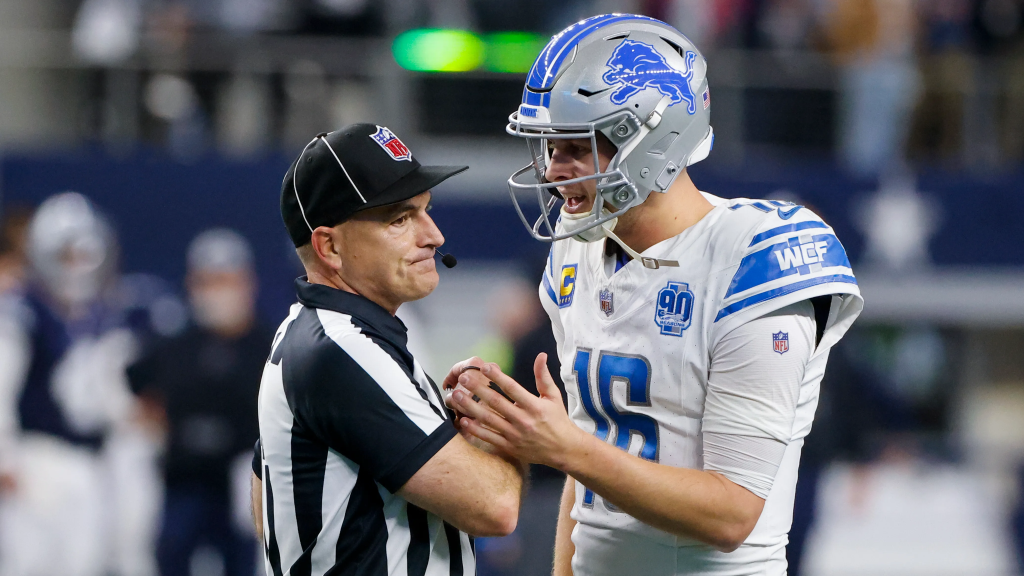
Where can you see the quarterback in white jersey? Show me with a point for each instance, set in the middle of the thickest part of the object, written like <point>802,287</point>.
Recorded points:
<point>693,331</point>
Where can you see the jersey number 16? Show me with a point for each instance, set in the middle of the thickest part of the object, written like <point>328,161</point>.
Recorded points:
<point>635,373</point>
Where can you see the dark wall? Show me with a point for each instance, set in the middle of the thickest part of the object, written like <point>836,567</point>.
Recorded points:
<point>158,205</point>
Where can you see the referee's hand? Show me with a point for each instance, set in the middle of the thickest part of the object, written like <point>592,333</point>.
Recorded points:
<point>529,428</point>
<point>451,383</point>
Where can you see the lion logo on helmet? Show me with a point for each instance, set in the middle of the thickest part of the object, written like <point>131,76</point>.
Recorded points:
<point>635,66</point>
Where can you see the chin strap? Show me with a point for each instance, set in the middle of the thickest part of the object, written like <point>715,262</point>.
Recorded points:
<point>651,263</point>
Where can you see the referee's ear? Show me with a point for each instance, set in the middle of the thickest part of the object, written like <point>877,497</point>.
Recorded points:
<point>326,244</point>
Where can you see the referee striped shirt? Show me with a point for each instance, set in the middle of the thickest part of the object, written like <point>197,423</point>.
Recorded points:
<point>347,417</point>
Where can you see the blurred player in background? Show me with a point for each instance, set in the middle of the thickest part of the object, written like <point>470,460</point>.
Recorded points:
<point>692,330</point>
<point>13,258</point>
<point>61,389</point>
<point>202,386</point>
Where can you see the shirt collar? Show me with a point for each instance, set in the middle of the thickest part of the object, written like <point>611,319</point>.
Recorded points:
<point>355,305</point>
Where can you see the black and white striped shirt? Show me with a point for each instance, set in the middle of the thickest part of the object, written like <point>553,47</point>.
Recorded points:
<point>347,417</point>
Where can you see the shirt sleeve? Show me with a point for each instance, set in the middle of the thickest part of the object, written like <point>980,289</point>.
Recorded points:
<point>753,388</point>
<point>360,402</point>
<point>779,261</point>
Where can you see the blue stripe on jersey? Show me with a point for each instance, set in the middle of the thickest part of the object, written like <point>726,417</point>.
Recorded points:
<point>783,229</point>
<point>561,45</point>
<point>547,287</point>
<point>787,258</point>
<point>621,260</point>
<point>782,291</point>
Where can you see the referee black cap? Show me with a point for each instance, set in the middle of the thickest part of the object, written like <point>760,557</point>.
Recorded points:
<point>342,172</point>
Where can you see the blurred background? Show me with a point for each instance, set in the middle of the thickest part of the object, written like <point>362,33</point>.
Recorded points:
<point>148,140</point>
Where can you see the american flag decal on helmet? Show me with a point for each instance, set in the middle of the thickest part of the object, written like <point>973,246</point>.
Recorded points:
<point>391,144</point>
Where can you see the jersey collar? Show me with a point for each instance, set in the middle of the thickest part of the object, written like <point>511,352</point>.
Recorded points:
<point>328,298</point>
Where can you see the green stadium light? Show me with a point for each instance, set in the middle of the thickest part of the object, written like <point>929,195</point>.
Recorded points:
<point>434,50</point>
<point>512,52</point>
<point>439,50</point>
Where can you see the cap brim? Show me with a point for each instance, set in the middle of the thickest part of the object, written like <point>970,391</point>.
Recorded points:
<point>413,184</point>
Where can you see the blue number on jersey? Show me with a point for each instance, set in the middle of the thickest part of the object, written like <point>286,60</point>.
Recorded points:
<point>581,366</point>
<point>675,306</point>
<point>635,373</point>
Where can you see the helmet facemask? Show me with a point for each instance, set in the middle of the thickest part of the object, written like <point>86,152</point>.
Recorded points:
<point>614,187</point>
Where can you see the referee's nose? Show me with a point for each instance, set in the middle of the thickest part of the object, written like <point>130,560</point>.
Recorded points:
<point>429,234</point>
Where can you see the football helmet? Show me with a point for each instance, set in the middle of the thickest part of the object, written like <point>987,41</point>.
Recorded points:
<point>72,249</point>
<point>637,81</point>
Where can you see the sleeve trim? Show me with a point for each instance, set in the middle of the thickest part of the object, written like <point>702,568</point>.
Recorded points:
<point>784,230</point>
<point>548,289</point>
<point>782,291</point>
<point>408,465</point>
<point>747,461</point>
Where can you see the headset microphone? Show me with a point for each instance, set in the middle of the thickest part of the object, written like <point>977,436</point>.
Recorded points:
<point>447,259</point>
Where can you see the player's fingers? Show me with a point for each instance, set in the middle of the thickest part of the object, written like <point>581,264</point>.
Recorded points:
<point>452,379</point>
<point>480,412</point>
<point>478,382</point>
<point>545,383</point>
<point>510,387</point>
<point>448,395</point>
<point>498,441</point>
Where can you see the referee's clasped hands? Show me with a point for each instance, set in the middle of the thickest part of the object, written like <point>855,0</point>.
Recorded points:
<point>531,428</point>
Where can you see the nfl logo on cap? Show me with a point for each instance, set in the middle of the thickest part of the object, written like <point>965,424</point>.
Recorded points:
<point>781,341</point>
<point>391,144</point>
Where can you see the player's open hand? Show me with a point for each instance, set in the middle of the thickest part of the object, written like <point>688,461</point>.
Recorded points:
<point>530,428</point>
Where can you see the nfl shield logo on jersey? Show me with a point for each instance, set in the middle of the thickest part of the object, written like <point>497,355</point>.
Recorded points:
<point>606,302</point>
<point>675,306</point>
<point>781,340</point>
<point>391,144</point>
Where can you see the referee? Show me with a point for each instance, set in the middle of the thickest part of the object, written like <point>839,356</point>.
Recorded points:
<point>363,471</point>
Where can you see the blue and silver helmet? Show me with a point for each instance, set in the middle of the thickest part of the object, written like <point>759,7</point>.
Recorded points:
<point>632,78</point>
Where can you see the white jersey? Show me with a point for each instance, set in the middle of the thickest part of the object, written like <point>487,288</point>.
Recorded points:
<point>634,347</point>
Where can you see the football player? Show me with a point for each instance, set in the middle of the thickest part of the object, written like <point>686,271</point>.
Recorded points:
<point>62,393</point>
<point>692,330</point>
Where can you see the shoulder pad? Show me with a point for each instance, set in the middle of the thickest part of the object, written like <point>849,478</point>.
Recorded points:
<point>783,249</point>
